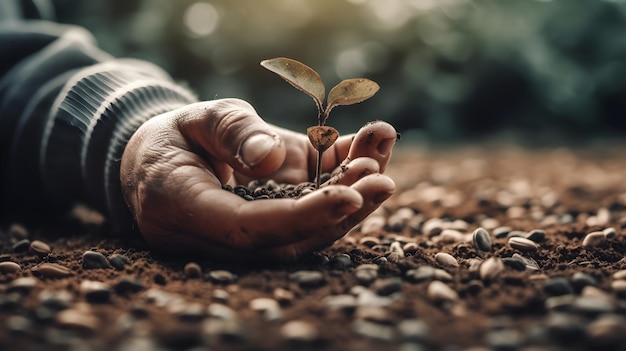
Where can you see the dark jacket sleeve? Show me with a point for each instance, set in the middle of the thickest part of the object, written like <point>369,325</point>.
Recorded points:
<point>67,110</point>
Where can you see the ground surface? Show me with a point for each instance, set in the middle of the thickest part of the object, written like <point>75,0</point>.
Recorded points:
<point>373,289</point>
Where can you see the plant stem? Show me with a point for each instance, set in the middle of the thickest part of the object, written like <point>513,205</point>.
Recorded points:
<point>318,171</point>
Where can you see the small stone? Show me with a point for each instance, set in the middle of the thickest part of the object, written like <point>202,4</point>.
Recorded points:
<point>593,306</point>
<point>490,268</point>
<point>127,285</point>
<point>51,270</point>
<point>22,285</point>
<point>118,261</point>
<point>413,330</point>
<point>620,275</point>
<point>594,239</point>
<point>366,273</point>
<point>387,286</point>
<point>78,320</point>
<point>95,292</point>
<point>220,295</point>
<point>9,267</point>
<point>565,326</point>
<point>560,303</point>
<point>481,240</point>
<point>222,276</point>
<point>342,261</point>
<point>342,302</point>
<point>369,241</point>
<point>372,330</point>
<point>18,325</point>
<point>40,248</point>
<point>523,244</point>
<point>536,235</point>
<point>501,232</point>
<point>56,300</point>
<point>21,246</point>
<point>619,287</point>
<point>410,248</point>
<point>193,270</point>
<point>580,280</point>
<point>269,308</point>
<point>557,286</point>
<point>220,311</point>
<point>308,278</point>
<point>445,259</point>
<point>440,292</point>
<point>298,331</point>
<point>607,330</point>
<point>94,260</point>
<point>376,314</point>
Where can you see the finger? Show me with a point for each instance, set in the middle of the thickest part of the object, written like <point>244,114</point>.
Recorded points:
<point>375,140</point>
<point>353,171</point>
<point>231,131</point>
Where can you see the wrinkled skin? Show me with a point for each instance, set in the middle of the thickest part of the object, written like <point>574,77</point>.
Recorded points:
<point>175,164</point>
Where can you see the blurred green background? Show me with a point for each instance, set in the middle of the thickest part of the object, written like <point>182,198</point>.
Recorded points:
<point>536,72</point>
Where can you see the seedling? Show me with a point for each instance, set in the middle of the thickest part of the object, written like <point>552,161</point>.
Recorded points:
<point>305,79</point>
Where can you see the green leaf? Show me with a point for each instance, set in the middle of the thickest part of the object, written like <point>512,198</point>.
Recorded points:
<point>322,137</point>
<point>351,91</point>
<point>300,76</point>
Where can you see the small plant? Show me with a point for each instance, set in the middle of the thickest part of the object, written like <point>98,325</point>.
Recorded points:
<point>347,92</point>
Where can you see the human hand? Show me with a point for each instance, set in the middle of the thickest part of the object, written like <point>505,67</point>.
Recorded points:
<point>174,166</point>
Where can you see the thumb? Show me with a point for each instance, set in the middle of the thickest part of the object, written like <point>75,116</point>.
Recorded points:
<point>231,131</point>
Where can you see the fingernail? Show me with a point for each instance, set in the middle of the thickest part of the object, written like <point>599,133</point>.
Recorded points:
<point>254,149</point>
<point>385,146</point>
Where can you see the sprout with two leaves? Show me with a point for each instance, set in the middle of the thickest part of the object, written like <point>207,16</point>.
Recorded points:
<point>347,92</point>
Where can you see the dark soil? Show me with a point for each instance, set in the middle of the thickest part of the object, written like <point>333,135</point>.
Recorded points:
<point>566,194</point>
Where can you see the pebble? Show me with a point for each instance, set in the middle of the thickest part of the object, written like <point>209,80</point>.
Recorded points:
<point>40,248</point>
<point>222,276</point>
<point>565,326</point>
<point>490,268</point>
<point>593,306</point>
<point>523,244</point>
<point>56,300</point>
<point>51,270</point>
<point>22,285</point>
<point>619,287</point>
<point>342,261</point>
<point>79,320</point>
<point>410,248</point>
<point>536,235</point>
<point>594,239</point>
<point>95,292</point>
<point>620,275</point>
<point>228,330</point>
<point>9,267</point>
<point>220,311</point>
<point>413,330</point>
<point>445,259</point>
<point>560,303</point>
<point>118,261</point>
<point>21,246</point>
<point>501,232</point>
<point>387,286</point>
<point>342,302</point>
<point>298,331</point>
<point>366,273</point>
<point>127,285</point>
<point>606,330</point>
<point>192,270</point>
<point>481,240</point>
<point>372,330</point>
<point>268,308</point>
<point>369,241</point>
<point>18,326</point>
<point>308,278</point>
<point>222,296</point>
<point>557,286</point>
<point>375,314</point>
<point>579,280</point>
<point>94,260</point>
<point>440,292</point>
